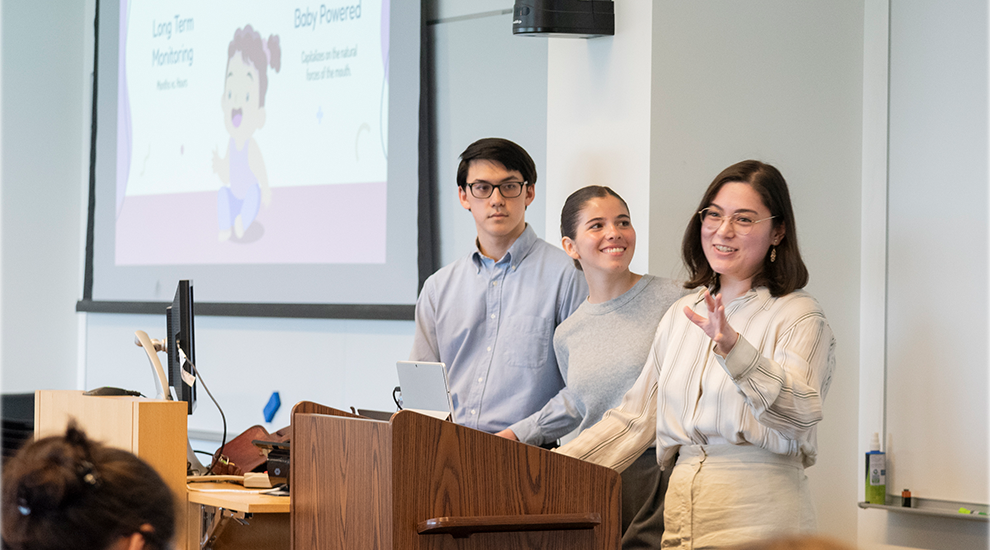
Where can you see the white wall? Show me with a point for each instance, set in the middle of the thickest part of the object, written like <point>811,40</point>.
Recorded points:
<point>488,83</point>
<point>935,399</point>
<point>1,197</point>
<point>599,120</point>
<point>45,116</point>
<point>340,363</point>
<point>937,227</point>
<point>782,82</point>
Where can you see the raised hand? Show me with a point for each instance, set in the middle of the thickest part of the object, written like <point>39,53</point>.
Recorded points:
<point>715,325</point>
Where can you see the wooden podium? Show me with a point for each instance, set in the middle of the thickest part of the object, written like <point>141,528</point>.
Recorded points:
<point>416,482</point>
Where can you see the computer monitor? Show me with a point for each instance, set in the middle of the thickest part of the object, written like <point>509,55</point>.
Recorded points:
<point>181,334</point>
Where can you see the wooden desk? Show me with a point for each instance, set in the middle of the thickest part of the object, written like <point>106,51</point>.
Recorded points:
<point>235,497</point>
<point>226,515</point>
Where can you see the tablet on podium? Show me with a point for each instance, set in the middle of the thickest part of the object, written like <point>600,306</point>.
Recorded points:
<point>425,389</point>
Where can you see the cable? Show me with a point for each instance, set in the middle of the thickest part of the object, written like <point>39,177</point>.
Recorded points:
<point>223,440</point>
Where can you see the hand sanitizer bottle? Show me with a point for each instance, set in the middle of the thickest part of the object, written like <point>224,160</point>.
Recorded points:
<point>876,473</point>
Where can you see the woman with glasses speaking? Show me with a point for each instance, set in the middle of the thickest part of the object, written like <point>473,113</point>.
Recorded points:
<point>736,377</point>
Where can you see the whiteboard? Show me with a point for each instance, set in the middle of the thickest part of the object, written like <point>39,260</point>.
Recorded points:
<point>937,246</point>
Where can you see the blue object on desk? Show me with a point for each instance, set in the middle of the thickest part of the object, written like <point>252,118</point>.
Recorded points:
<point>274,402</point>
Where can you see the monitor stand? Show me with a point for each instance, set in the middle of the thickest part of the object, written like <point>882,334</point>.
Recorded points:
<point>152,347</point>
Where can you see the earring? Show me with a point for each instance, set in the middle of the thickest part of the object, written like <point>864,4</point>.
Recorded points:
<point>773,254</point>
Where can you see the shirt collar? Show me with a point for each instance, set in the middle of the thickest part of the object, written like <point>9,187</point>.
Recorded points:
<point>760,292</point>
<point>521,248</point>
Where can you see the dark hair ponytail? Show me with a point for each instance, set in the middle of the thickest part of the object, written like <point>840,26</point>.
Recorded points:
<point>571,211</point>
<point>70,492</point>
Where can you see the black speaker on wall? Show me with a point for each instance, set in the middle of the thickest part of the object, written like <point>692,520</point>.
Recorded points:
<point>565,18</point>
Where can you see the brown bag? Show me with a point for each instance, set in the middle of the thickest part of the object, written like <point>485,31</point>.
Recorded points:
<point>241,455</point>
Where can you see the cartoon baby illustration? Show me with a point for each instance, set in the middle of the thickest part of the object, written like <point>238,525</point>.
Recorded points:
<point>242,170</point>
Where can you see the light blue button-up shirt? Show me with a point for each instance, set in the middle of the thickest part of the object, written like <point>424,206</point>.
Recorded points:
<point>492,323</point>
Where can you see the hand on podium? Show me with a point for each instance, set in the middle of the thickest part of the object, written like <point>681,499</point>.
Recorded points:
<point>508,434</point>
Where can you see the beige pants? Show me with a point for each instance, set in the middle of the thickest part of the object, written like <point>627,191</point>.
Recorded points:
<point>721,495</point>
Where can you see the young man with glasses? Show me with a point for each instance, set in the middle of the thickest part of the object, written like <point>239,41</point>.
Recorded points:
<point>490,316</point>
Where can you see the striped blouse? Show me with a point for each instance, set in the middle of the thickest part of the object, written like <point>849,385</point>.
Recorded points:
<point>768,391</point>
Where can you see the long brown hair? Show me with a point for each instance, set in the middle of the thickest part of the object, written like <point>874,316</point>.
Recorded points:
<point>782,276</point>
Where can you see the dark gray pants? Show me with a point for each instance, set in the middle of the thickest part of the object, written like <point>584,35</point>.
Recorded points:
<point>643,490</point>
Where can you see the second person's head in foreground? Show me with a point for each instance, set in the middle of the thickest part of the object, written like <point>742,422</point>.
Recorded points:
<point>744,233</point>
<point>69,492</point>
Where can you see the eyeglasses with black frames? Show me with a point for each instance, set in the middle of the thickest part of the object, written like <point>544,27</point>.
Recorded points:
<point>508,189</point>
<point>712,219</point>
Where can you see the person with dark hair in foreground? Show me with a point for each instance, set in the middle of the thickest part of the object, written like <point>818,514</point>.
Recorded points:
<point>736,377</point>
<point>69,492</point>
<point>490,316</point>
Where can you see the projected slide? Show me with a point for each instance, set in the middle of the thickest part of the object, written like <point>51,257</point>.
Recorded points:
<point>252,132</point>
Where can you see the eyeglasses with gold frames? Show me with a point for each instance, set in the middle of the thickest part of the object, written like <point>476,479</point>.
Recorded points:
<point>712,219</point>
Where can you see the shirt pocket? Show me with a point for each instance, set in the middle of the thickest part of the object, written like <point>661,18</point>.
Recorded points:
<point>526,341</point>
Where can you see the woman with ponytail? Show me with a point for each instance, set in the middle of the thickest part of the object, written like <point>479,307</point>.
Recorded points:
<point>736,378</point>
<point>69,492</point>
